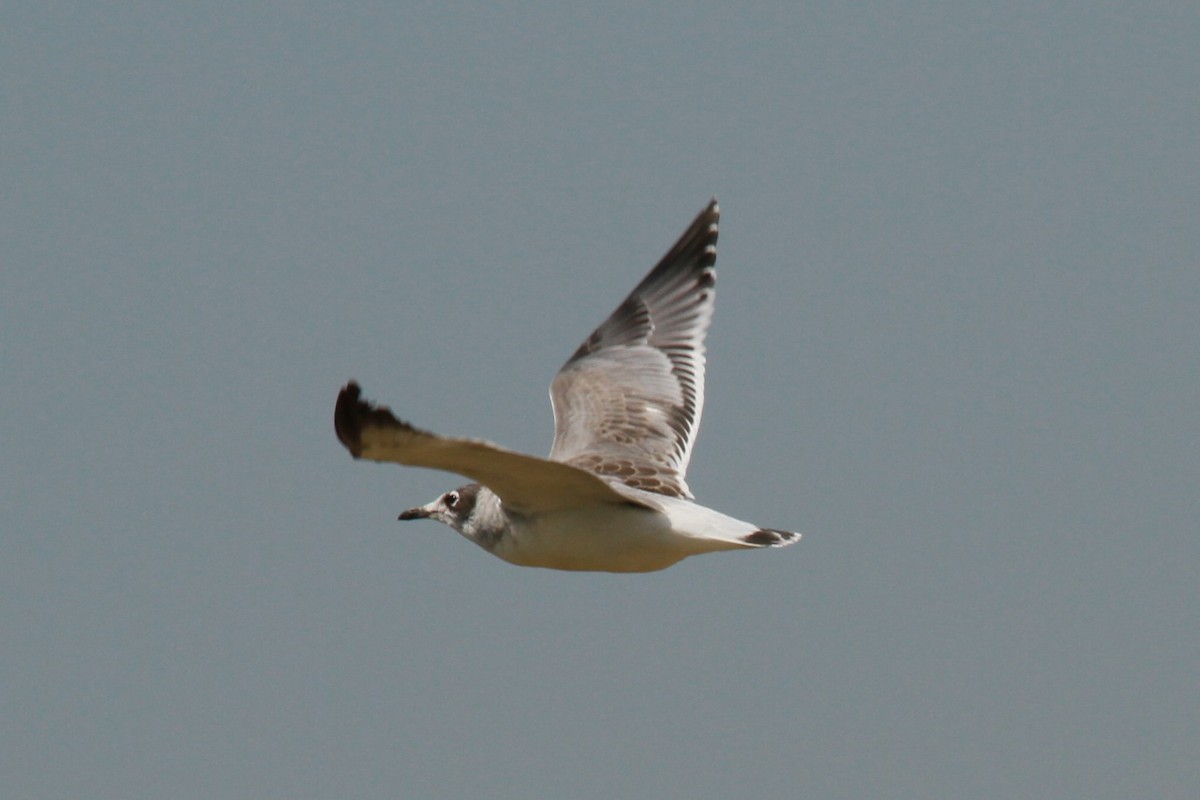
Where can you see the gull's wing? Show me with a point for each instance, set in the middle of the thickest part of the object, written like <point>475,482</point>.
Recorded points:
<point>627,404</point>
<point>525,483</point>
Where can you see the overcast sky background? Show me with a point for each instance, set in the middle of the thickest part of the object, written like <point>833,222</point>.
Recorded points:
<point>956,345</point>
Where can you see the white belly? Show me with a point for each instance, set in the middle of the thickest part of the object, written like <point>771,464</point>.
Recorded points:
<point>615,538</point>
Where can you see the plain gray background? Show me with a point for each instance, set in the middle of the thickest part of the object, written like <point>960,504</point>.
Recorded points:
<point>955,345</point>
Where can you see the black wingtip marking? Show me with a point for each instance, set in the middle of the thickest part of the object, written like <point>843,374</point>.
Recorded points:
<point>770,537</point>
<point>347,418</point>
<point>352,413</point>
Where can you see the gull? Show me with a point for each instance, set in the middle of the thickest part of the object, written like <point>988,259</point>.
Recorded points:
<point>611,497</point>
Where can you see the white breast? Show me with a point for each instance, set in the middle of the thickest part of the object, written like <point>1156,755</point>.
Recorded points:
<point>620,538</point>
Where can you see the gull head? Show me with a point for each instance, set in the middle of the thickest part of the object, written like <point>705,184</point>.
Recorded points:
<point>454,508</point>
<point>472,510</point>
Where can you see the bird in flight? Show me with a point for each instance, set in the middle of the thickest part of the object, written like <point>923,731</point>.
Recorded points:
<point>611,497</point>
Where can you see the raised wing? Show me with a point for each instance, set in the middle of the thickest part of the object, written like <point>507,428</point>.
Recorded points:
<point>627,404</point>
<point>526,484</point>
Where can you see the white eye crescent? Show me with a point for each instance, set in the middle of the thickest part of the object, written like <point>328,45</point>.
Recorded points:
<point>451,499</point>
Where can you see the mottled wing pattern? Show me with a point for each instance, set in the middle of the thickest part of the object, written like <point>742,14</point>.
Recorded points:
<point>526,484</point>
<point>627,404</point>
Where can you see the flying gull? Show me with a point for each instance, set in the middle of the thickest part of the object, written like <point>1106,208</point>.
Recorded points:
<point>611,496</point>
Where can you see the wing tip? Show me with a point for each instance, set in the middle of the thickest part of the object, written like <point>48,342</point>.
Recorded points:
<point>771,537</point>
<point>347,417</point>
<point>352,413</point>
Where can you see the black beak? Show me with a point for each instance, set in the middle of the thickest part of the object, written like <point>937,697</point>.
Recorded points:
<point>414,513</point>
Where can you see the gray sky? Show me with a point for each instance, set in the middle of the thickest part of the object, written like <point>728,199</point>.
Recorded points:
<point>955,345</point>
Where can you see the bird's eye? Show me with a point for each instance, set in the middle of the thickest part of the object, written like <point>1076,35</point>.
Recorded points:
<point>451,499</point>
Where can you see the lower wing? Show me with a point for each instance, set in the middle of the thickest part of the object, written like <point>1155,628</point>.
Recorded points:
<point>525,483</point>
